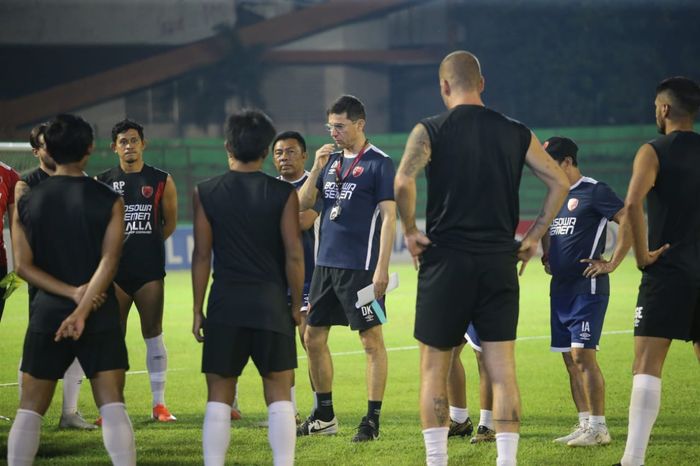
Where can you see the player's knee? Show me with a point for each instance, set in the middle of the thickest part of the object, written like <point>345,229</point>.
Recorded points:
<point>276,386</point>
<point>372,349</point>
<point>568,361</point>
<point>647,366</point>
<point>306,338</point>
<point>151,330</point>
<point>504,381</point>
<point>313,339</point>
<point>579,362</point>
<point>373,345</point>
<point>105,395</point>
<point>302,340</point>
<point>39,406</point>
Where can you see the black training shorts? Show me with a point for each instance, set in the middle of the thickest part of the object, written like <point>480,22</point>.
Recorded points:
<point>456,288</point>
<point>227,349</point>
<point>131,286</point>
<point>668,304</point>
<point>333,296</point>
<point>43,358</point>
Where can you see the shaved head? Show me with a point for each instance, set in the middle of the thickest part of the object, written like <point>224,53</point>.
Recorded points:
<point>462,71</point>
<point>683,94</point>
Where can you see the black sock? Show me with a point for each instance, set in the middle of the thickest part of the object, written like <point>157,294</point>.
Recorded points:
<point>374,408</point>
<point>324,411</point>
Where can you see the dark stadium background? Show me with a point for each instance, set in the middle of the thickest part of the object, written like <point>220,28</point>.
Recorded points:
<point>586,69</point>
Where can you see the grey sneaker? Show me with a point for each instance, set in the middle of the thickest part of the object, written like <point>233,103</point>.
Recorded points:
<point>483,434</point>
<point>75,421</point>
<point>312,426</point>
<point>592,437</point>
<point>579,429</point>
<point>462,429</point>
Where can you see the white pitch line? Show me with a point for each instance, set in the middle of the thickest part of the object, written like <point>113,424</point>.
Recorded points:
<point>146,372</point>
<point>14,384</point>
<point>406,348</point>
<point>354,353</point>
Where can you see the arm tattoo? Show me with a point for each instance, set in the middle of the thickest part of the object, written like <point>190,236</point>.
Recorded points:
<point>417,153</point>
<point>440,406</point>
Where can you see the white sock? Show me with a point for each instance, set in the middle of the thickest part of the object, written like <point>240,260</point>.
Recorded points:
<point>72,380</point>
<point>234,405</point>
<point>583,418</point>
<point>486,418</point>
<point>282,432</point>
<point>157,365</point>
<point>23,440</point>
<point>216,433</point>
<point>644,407</point>
<point>596,421</point>
<point>118,434</point>
<point>459,415</point>
<point>293,395</point>
<point>435,440</point>
<point>507,448</point>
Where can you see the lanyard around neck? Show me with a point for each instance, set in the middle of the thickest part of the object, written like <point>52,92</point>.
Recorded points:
<point>339,168</point>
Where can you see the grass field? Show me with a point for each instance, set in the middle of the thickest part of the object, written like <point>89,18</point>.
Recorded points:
<point>547,412</point>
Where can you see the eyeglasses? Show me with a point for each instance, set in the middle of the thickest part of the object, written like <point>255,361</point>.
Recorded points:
<point>339,127</point>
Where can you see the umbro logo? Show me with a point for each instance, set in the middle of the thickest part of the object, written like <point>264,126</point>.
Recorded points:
<point>638,315</point>
<point>332,168</point>
<point>367,313</point>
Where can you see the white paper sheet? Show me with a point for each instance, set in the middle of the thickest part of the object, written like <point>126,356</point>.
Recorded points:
<point>366,294</point>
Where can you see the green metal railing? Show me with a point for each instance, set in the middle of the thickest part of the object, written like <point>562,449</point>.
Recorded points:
<point>605,153</point>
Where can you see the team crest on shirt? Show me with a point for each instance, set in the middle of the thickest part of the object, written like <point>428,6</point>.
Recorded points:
<point>147,191</point>
<point>357,171</point>
<point>572,204</point>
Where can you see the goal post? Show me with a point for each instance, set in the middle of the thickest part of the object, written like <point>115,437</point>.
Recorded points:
<point>17,155</point>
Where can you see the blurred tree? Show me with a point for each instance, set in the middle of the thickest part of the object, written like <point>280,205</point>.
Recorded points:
<point>239,74</point>
<point>579,63</point>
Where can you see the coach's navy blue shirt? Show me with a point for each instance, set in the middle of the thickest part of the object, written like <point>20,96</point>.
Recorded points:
<point>578,232</point>
<point>351,241</point>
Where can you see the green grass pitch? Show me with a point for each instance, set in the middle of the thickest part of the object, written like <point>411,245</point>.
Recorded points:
<point>547,411</point>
